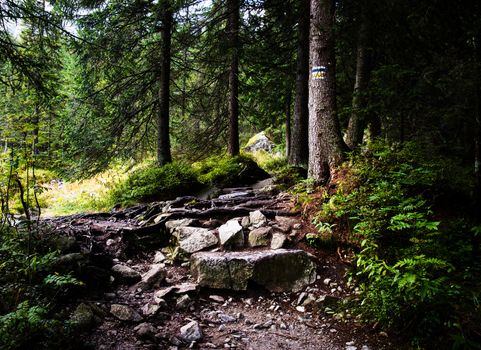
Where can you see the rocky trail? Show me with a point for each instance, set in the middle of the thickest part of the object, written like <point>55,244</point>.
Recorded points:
<point>228,272</point>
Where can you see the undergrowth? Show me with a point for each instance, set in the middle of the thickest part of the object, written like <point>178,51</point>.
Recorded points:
<point>29,291</point>
<point>418,274</point>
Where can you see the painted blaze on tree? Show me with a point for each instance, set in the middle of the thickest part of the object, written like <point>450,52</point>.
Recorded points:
<point>325,142</point>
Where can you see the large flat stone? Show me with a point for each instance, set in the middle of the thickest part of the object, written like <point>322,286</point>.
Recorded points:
<point>276,270</point>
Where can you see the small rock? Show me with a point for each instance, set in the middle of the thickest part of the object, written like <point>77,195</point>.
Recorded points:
<point>145,331</point>
<point>278,240</point>
<point>217,298</point>
<point>83,317</point>
<point>175,341</point>
<point>257,219</point>
<point>301,308</point>
<point>327,300</point>
<point>161,293</point>
<point>150,309</point>
<point>350,347</point>
<point>327,281</point>
<point>191,332</point>
<point>159,257</point>
<point>125,313</point>
<point>311,299</point>
<point>365,347</point>
<point>125,274</point>
<point>384,334</point>
<point>231,235</point>
<point>224,318</point>
<point>185,287</point>
<point>245,222</point>
<point>171,225</point>
<point>259,236</point>
<point>301,298</point>
<point>297,226</point>
<point>183,302</point>
<point>153,277</point>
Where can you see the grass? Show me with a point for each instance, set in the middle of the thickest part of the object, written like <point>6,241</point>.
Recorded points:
<point>89,195</point>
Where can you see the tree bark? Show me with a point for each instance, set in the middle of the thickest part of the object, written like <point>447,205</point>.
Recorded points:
<point>477,126</point>
<point>355,130</point>
<point>288,120</point>
<point>163,134</point>
<point>298,153</point>
<point>233,37</point>
<point>326,147</point>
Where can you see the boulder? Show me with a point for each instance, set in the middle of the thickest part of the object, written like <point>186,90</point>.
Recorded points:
<point>125,274</point>
<point>277,270</point>
<point>194,239</point>
<point>259,142</point>
<point>260,237</point>
<point>231,235</point>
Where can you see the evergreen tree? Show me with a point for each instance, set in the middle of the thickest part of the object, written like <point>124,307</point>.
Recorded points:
<point>326,146</point>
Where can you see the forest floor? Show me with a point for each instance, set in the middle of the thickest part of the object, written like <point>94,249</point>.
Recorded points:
<point>251,319</point>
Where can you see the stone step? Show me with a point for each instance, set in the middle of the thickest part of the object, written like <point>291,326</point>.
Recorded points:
<point>276,270</point>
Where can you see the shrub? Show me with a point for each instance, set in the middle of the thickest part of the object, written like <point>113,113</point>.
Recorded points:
<point>28,325</point>
<point>29,291</point>
<point>409,265</point>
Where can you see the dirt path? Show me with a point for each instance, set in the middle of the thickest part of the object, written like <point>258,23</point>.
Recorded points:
<point>125,315</point>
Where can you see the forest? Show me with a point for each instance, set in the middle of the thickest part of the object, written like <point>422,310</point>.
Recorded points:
<point>120,120</point>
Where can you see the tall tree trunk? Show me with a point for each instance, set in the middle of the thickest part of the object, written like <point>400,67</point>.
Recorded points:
<point>326,147</point>
<point>288,119</point>
<point>163,134</point>
<point>355,130</point>
<point>475,241</point>
<point>233,32</point>
<point>298,153</point>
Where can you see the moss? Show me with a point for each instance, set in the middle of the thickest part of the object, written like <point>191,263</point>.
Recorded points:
<point>229,171</point>
<point>156,183</point>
